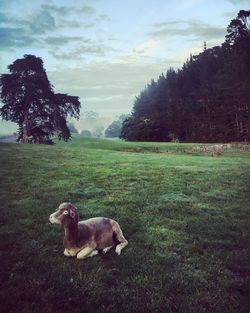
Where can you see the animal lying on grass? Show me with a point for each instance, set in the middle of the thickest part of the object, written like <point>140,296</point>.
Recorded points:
<point>86,238</point>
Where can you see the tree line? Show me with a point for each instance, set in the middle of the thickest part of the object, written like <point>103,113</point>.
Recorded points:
<point>207,100</point>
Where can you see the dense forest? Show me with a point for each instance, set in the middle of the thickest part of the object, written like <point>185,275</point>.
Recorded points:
<point>208,100</point>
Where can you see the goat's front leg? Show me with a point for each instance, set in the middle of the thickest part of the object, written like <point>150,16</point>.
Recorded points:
<point>86,252</point>
<point>94,252</point>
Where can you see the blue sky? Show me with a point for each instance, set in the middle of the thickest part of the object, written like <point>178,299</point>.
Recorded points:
<point>106,51</point>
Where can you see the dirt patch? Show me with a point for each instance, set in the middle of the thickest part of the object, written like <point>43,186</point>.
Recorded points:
<point>141,150</point>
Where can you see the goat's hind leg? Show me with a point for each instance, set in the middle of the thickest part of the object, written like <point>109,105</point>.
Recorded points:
<point>105,250</point>
<point>119,236</point>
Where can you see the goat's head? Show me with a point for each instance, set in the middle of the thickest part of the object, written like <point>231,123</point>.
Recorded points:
<point>66,215</point>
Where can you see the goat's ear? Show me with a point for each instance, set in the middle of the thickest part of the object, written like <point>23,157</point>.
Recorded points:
<point>72,213</point>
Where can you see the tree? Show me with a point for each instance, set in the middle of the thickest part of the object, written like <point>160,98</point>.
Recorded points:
<point>114,129</point>
<point>237,48</point>
<point>29,101</point>
<point>86,133</point>
<point>239,28</point>
<point>72,128</point>
<point>98,131</point>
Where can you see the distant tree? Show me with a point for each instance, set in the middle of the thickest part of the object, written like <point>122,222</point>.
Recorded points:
<point>29,101</point>
<point>72,128</point>
<point>86,133</point>
<point>98,131</point>
<point>114,129</point>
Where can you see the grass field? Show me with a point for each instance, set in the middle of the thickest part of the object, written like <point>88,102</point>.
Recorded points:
<point>186,217</point>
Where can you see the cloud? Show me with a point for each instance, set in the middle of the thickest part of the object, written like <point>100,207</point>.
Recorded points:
<point>22,32</point>
<point>79,53</point>
<point>70,9</point>
<point>50,26</point>
<point>167,24</point>
<point>38,22</point>
<point>104,18</point>
<point>14,37</point>
<point>65,23</point>
<point>65,15</point>
<point>239,2</point>
<point>87,48</point>
<point>146,50</point>
<point>195,28</point>
<point>66,56</point>
<point>17,32</point>
<point>63,40</point>
<point>60,10</point>
<point>3,18</point>
<point>42,22</point>
<point>86,9</point>
<point>6,3</point>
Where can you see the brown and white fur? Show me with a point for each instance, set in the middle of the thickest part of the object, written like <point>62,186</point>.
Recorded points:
<point>86,238</point>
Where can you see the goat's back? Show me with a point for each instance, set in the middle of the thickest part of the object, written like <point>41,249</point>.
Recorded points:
<point>101,229</point>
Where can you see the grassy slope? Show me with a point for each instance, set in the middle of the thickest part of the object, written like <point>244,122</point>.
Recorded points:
<point>186,218</point>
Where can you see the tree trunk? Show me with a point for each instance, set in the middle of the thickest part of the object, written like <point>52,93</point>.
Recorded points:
<point>26,130</point>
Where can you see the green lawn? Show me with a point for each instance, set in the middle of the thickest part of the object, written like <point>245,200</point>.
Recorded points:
<point>186,217</point>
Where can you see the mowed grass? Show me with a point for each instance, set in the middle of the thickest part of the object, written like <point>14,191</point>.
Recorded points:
<point>186,217</point>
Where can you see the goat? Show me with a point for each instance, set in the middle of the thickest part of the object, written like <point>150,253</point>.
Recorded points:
<point>86,238</point>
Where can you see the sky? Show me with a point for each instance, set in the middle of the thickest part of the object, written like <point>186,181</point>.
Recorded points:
<point>107,51</point>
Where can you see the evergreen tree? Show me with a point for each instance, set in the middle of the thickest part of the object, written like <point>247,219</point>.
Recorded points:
<point>29,100</point>
<point>114,129</point>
